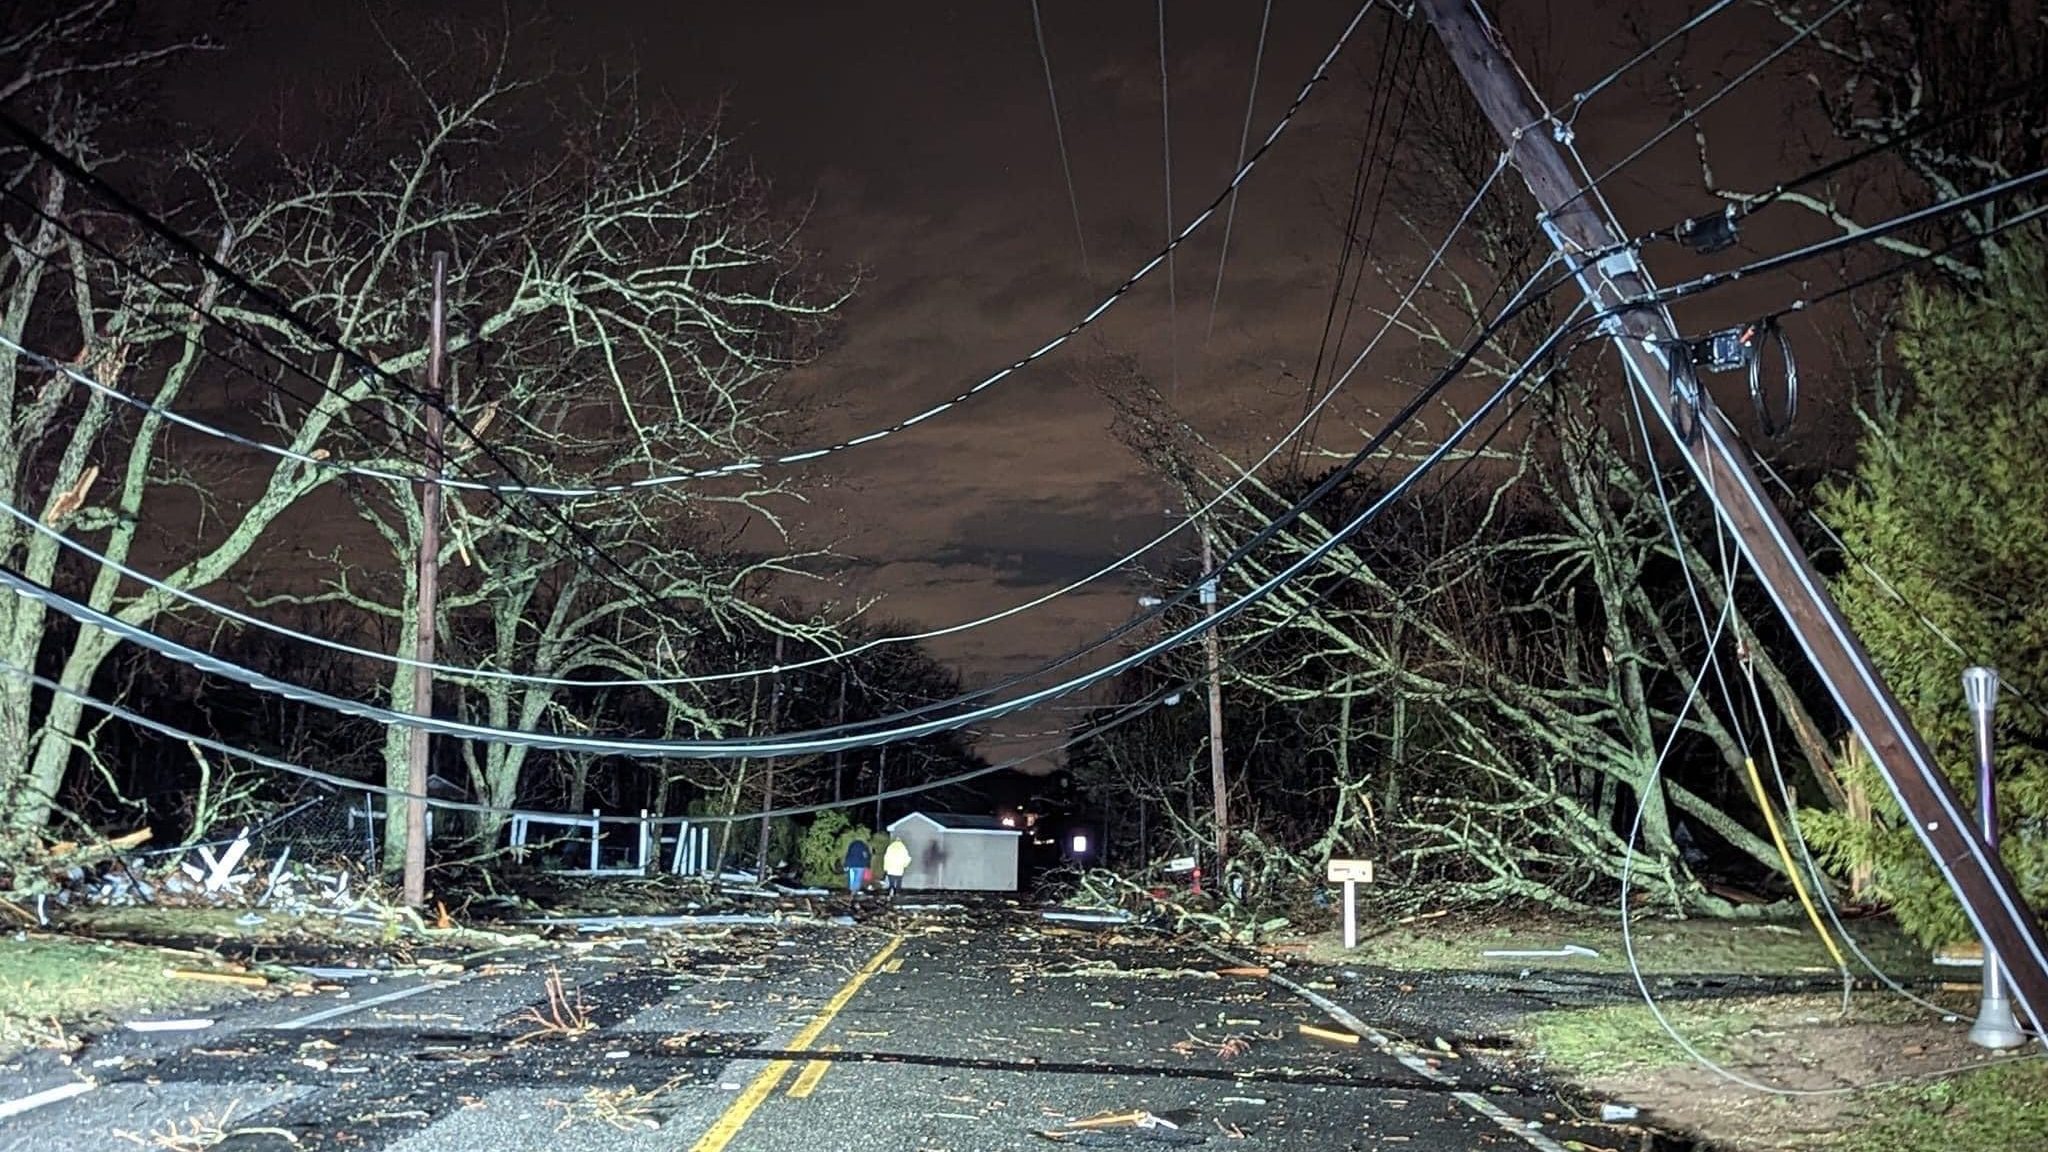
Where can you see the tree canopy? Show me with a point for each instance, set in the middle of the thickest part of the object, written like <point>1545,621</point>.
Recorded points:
<point>1946,552</point>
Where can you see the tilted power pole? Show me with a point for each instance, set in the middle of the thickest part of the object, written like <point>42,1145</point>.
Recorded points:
<point>1646,338</point>
<point>417,740</point>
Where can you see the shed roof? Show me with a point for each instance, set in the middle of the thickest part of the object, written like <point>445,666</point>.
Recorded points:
<point>958,822</point>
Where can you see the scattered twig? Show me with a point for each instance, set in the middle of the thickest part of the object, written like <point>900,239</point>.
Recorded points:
<point>566,1015</point>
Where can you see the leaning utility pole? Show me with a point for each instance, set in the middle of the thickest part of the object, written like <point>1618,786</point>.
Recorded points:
<point>1646,337</point>
<point>1214,658</point>
<point>417,746</point>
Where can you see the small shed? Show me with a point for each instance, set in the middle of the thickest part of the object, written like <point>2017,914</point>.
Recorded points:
<point>958,853</point>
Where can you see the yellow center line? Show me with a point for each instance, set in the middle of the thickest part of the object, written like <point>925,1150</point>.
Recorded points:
<point>764,1083</point>
<point>807,1080</point>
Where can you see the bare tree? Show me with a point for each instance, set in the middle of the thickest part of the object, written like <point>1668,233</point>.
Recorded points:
<point>625,306</point>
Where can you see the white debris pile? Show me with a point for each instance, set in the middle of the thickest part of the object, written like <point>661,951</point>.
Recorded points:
<point>221,875</point>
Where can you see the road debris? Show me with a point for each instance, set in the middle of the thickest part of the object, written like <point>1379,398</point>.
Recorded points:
<point>1139,1119</point>
<point>1118,917</point>
<point>194,1024</point>
<point>1540,953</point>
<point>1329,1034</point>
<point>240,979</point>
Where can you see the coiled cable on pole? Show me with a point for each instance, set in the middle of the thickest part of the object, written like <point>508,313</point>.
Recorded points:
<point>1769,331</point>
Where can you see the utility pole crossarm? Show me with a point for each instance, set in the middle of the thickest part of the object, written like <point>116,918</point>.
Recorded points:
<point>1645,338</point>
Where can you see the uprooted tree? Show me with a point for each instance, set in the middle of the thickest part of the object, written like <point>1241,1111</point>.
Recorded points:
<point>1479,682</point>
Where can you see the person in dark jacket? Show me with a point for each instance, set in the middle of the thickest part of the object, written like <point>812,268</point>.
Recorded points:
<point>856,865</point>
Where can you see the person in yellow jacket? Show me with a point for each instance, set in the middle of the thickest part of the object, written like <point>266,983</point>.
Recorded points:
<point>895,862</point>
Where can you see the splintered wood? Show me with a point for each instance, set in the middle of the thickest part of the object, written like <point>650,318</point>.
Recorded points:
<point>1329,1034</point>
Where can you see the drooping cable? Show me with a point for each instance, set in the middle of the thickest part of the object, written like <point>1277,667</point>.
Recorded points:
<point>1435,258</point>
<point>1514,382</point>
<point>1728,582</point>
<point>816,741</point>
<point>871,644</point>
<point>1019,608</point>
<point>1361,358</point>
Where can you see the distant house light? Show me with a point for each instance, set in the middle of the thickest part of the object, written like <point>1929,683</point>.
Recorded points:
<point>1009,821</point>
<point>1080,843</point>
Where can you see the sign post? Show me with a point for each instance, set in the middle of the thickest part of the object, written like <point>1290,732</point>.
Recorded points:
<point>1350,873</point>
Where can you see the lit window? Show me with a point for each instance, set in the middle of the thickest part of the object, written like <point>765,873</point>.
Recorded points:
<point>1080,844</point>
<point>1009,821</point>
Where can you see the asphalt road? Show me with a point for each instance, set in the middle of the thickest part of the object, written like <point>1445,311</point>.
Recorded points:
<point>941,1030</point>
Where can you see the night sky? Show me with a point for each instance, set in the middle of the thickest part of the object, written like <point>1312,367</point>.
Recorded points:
<point>919,138</point>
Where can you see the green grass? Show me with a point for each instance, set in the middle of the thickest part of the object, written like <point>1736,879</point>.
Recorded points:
<point>49,984</point>
<point>1454,943</point>
<point>160,923</point>
<point>1619,1038</point>
<point>1998,1109</point>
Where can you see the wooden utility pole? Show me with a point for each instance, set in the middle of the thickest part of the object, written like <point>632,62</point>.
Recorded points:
<point>1646,337</point>
<point>1212,654</point>
<point>768,783</point>
<point>839,756</point>
<point>881,782</point>
<point>419,740</point>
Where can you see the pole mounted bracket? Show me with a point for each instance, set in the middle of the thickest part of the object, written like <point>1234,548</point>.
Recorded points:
<point>1710,233</point>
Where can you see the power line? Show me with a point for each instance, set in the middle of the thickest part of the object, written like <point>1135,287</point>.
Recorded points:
<point>1677,290</point>
<point>830,657</point>
<point>1251,102</point>
<point>1689,115</point>
<point>817,740</point>
<point>1436,257</point>
<point>1365,246</point>
<point>186,246</point>
<point>1060,135</point>
<point>1166,146</point>
<point>813,741</point>
<point>1117,634</point>
<point>1124,715</point>
<point>1317,553</point>
<point>634,585</point>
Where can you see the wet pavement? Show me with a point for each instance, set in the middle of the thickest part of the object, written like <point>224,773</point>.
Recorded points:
<point>972,1030</point>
